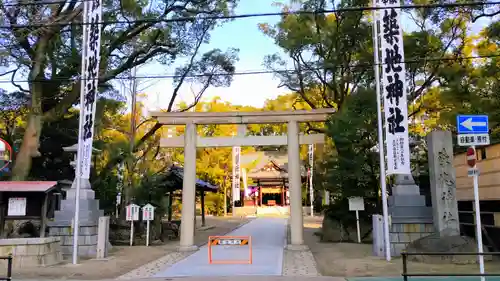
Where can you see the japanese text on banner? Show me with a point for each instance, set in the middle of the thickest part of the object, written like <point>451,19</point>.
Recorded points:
<point>394,88</point>
<point>236,173</point>
<point>90,59</point>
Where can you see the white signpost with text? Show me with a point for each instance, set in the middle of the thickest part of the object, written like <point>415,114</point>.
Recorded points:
<point>148,214</point>
<point>357,204</point>
<point>473,130</point>
<point>132,215</point>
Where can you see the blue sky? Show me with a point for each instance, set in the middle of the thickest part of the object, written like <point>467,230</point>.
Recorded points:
<point>244,35</point>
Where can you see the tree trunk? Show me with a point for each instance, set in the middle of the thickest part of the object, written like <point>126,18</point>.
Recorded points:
<point>29,147</point>
<point>31,138</point>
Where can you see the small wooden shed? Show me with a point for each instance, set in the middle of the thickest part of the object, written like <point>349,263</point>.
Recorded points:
<point>27,200</point>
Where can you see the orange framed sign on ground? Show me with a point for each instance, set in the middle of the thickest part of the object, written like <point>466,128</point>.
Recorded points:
<point>233,241</point>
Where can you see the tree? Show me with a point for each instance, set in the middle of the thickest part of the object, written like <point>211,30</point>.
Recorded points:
<point>352,169</point>
<point>332,54</point>
<point>41,41</point>
<point>12,113</point>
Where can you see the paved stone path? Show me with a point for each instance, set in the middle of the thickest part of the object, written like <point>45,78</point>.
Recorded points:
<point>294,263</point>
<point>268,241</point>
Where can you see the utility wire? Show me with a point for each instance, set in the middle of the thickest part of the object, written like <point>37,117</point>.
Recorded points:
<point>260,72</point>
<point>38,3</point>
<point>300,12</point>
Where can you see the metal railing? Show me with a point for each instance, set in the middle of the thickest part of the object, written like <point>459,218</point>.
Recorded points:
<point>9,267</point>
<point>405,274</point>
<point>486,228</point>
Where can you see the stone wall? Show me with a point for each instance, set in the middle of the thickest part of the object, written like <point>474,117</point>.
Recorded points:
<point>401,235</point>
<point>31,252</point>
<point>87,240</point>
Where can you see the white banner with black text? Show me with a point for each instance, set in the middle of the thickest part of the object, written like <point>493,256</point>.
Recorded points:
<point>236,173</point>
<point>394,88</point>
<point>90,60</point>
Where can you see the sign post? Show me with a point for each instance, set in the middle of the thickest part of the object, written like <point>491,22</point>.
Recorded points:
<point>132,215</point>
<point>148,214</point>
<point>357,204</point>
<point>473,130</point>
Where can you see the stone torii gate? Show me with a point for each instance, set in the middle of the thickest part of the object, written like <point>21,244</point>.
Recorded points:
<point>190,141</point>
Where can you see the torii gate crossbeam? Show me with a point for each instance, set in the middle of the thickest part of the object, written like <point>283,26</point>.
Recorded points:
<point>190,141</point>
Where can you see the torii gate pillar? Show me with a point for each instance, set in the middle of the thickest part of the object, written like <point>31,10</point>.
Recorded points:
<point>188,190</point>
<point>294,180</point>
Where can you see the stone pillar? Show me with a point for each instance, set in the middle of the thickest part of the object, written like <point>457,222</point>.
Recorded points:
<point>295,185</point>
<point>102,238</point>
<point>188,190</point>
<point>443,187</point>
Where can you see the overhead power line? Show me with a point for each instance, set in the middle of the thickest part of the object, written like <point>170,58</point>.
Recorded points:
<point>260,72</point>
<point>39,3</point>
<point>242,16</point>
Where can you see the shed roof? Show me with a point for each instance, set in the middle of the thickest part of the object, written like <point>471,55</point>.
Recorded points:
<point>27,186</point>
<point>176,172</point>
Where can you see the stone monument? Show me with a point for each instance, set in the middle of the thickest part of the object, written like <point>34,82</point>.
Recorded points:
<point>62,226</point>
<point>446,238</point>
<point>443,187</point>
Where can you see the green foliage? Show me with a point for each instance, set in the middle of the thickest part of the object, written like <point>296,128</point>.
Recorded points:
<point>353,170</point>
<point>215,203</point>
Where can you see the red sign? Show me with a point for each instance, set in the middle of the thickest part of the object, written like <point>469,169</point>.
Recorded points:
<point>471,157</point>
<point>5,154</point>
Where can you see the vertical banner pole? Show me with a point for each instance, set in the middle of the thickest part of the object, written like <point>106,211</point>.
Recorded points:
<point>236,176</point>
<point>383,186</point>
<point>79,157</point>
<point>311,189</point>
<point>91,46</point>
